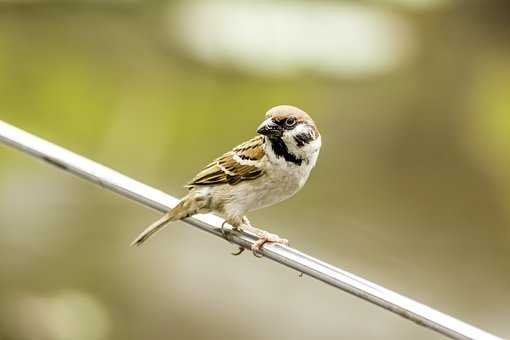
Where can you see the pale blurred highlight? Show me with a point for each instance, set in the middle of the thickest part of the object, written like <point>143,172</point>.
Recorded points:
<point>284,38</point>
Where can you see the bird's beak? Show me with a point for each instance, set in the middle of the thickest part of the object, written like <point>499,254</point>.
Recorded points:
<point>270,129</point>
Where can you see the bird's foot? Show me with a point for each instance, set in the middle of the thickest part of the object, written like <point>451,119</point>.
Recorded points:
<point>226,234</point>
<point>265,237</point>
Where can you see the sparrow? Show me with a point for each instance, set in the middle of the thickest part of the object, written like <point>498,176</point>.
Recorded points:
<point>260,172</point>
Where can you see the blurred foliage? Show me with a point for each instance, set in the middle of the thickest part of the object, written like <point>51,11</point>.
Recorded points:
<point>412,186</point>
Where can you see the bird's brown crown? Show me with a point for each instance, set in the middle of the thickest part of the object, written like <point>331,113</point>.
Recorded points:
<point>284,111</point>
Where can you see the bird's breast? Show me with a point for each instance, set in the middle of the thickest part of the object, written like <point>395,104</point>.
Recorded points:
<point>280,181</point>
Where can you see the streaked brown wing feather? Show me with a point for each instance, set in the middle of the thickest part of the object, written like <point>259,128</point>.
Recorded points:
<point>226,170</point>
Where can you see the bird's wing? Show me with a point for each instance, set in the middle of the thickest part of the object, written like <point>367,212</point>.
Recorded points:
<point>240,164</point>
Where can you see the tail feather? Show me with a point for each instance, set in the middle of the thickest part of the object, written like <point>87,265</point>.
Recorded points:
<point>152,229</point>
<point>187,207</point>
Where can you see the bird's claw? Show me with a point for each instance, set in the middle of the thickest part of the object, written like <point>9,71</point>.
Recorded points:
<point>238,252</point>
<point>223,231</point>
<point>266,238</point>
<point>226,235</point>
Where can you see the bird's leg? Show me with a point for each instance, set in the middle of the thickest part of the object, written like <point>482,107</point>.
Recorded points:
<point>235,226</point>
<point>264,236</point>
<point>246,223</point>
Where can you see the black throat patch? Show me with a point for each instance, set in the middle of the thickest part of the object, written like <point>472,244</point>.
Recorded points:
<point>280,149</point>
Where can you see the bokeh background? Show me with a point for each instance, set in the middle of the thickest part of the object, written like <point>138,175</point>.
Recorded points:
<point>412,188</point>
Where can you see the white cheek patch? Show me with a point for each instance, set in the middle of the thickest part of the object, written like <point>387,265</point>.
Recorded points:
<point>303,147</point>
<point>288,135</point>
<point>301,135</point>
<point>301,128</point>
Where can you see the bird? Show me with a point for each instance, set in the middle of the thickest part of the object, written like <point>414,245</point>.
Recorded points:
<point>258,173</point>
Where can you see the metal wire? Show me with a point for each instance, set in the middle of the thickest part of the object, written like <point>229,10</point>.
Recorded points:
<point>127,187</point>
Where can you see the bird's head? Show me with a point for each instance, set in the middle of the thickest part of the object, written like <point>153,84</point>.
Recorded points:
<point>293,127</point>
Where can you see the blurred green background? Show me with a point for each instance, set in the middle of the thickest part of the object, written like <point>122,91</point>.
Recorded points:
<point>412,188</point>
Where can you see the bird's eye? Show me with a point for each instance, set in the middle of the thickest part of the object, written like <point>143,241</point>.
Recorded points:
<point>290,122</point>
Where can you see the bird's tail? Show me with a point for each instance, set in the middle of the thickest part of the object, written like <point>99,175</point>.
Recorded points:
<point>182,210</point>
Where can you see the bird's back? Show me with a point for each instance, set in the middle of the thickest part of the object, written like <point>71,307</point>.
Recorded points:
<point>243,163</point>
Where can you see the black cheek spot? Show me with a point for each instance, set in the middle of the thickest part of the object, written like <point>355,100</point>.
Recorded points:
<point>303,138</point>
